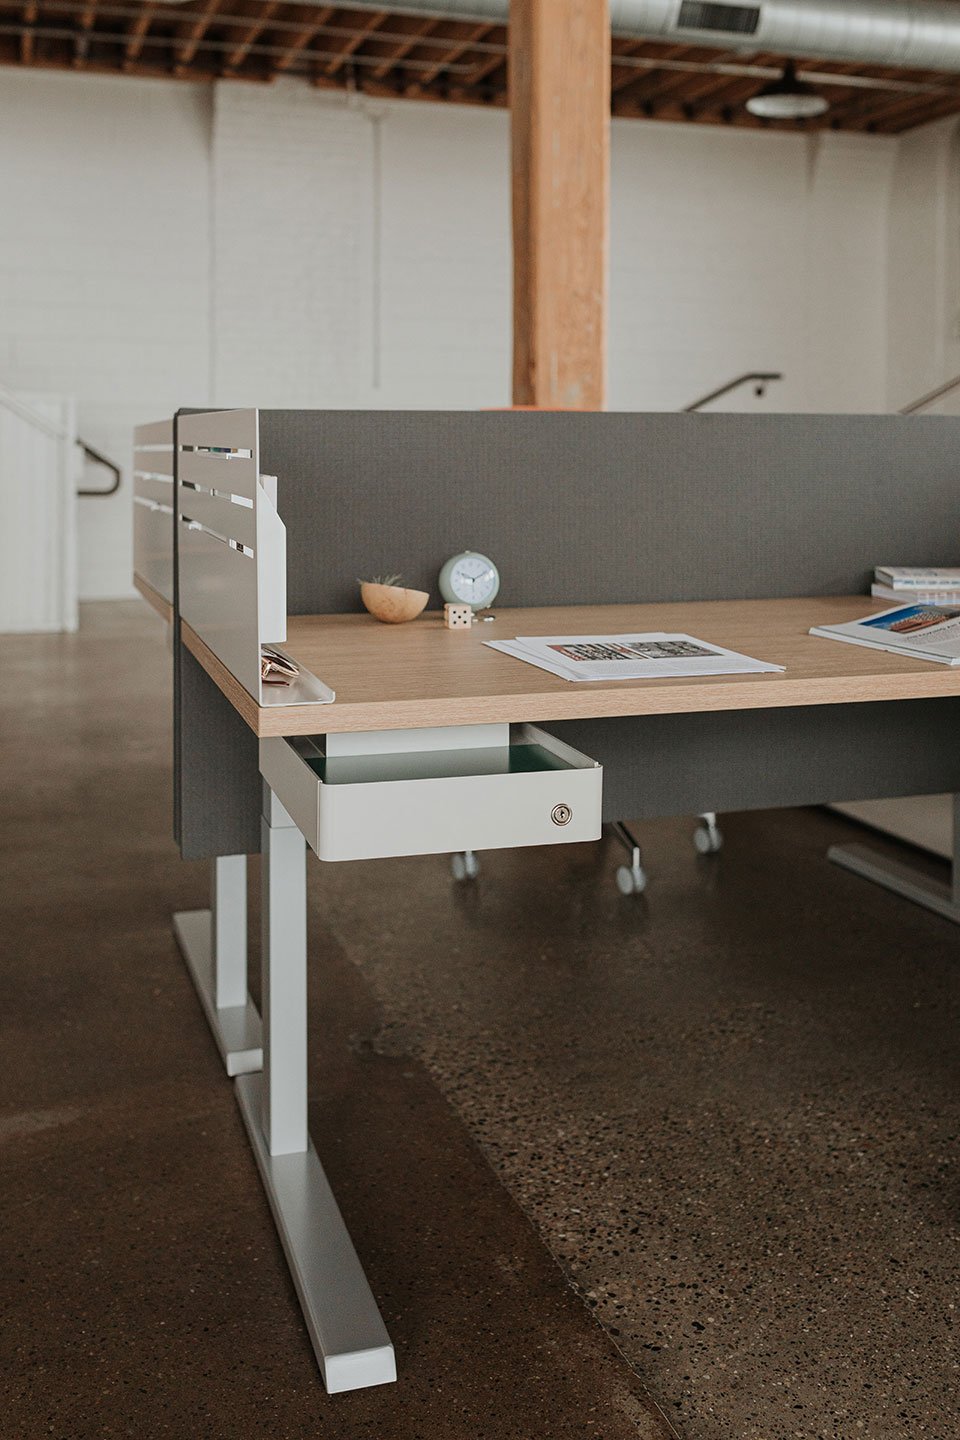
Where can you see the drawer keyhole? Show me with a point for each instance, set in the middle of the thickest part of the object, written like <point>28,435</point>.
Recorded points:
<point>561,814</point>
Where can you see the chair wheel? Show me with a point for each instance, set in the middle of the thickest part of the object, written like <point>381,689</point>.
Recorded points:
<point>465,865</point>
<point>631,879</point>
<point>707,840</point>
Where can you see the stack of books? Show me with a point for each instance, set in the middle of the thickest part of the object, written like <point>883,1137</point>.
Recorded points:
<point>921,585</point>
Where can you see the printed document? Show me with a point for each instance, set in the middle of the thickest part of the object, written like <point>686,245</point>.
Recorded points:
<point>654,655</point>
<point>923,632</point>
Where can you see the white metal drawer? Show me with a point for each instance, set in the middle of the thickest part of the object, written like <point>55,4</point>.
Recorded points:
<point>534,790</point>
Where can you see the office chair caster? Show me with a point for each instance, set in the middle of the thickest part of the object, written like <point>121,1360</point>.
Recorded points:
<point>631,879</point>
<point>707,838</point>
<point>465,865</point>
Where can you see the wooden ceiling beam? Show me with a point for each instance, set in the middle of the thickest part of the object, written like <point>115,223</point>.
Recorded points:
<point>485,68</point>
<point>623,76</point>
<point>415,29</point>
<point>644,84</point>
<point>682,88</point>
<point>365,28</point>
<point>137,31</point>
<point>192,33</point>
<point>728,93</point>
<point>460,46</point>
<point>936,110</point>
<point>147,70</point>
<point>81,44</point>
<point>249,35</point>
<point>300,39</point>
<point>910,111</point>
<point>30,12</point>
<point>383,44</point>
<point>859,109</point>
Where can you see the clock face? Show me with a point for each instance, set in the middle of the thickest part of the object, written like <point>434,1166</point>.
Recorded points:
<point>470,579</point>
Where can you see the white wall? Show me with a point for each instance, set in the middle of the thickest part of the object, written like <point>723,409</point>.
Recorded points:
<point>104,259</point>
<point>163,244</point>
<point>361,251</point>
<point>734,251</point>
<point>923,301</point>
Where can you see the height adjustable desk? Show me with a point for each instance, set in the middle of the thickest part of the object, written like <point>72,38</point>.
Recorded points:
<point>435,743</point>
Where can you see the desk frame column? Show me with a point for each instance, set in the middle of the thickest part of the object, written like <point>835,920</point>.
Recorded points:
<point>349,1337</point>
<point>214,946</point>
<point>935,895</point>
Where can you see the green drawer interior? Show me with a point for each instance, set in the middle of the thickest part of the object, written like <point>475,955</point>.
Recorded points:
<point>435,764</point>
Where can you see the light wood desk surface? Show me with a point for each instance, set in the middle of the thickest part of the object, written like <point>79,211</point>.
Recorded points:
<point>154,599</point>
<point>394,677</point>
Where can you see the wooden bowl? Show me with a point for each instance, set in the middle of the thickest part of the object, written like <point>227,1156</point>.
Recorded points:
<point>392,603</point>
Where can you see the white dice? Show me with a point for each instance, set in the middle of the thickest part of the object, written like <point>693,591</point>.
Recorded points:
<point>458,617</point>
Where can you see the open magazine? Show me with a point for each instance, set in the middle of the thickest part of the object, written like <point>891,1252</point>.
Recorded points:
<point>650,656</point>
<point>922,632</point>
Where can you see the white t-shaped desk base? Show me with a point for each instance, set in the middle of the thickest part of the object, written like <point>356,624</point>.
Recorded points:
<point>348,1334</point>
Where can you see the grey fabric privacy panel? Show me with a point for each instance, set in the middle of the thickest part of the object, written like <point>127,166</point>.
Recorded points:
<point>758,759</point>
<point>217,771</point>
<point>598,508</point>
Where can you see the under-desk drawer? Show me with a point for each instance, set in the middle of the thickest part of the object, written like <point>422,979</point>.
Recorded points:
<point>534,790</point>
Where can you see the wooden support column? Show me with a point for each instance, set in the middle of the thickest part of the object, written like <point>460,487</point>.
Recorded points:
<point>559,74</point>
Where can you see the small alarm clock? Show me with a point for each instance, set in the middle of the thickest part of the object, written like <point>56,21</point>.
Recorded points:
<point>470,579</point>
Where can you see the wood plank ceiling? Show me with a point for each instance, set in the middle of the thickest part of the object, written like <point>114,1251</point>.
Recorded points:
<point>462,62</point>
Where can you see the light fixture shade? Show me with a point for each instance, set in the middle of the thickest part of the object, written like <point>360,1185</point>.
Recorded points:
<point>787,98</point>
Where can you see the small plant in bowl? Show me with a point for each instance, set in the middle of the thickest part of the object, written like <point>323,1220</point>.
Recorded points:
<point>391,602</point>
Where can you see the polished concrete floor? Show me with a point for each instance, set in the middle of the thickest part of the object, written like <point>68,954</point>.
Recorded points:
<point>721,1120</point>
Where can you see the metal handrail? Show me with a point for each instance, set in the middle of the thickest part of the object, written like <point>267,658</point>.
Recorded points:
<point>761,378</point>
<point>97,456</point>
<point>930,396</point>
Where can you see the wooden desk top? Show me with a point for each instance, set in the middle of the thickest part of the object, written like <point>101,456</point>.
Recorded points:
<point>154,599</point>
<point>396,677</point>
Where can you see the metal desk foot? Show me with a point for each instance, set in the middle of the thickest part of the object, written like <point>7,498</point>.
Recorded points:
<point>349,1337</point>
<point>214,944</point>
<point>912,884</point>
<point>901,879</point>
<point>351,1342</point>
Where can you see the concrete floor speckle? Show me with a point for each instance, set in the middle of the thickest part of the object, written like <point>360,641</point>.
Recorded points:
<point>729,1108</point>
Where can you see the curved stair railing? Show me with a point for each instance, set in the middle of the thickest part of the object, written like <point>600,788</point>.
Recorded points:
<point>759,378</point>
<point>932,395</point>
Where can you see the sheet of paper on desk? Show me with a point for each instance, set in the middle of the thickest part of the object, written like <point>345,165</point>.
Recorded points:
<point>654,655</point>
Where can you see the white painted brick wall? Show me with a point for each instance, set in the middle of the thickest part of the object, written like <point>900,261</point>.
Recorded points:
<point>162,244</point>
<point>103,267</point>
<point>923,278</point>
<point>332,289</point>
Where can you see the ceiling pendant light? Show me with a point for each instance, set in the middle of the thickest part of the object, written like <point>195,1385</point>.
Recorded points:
<point>787,98</point>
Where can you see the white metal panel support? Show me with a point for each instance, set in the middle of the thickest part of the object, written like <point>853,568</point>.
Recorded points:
<point>228,925</point>
<point>214,946</point>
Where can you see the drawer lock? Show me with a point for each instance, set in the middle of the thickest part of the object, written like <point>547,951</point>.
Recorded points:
<point>561,814</point>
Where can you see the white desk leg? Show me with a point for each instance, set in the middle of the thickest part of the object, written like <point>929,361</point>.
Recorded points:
<point>902,879</point>
<point>349,1337</point>
<point>214,944</point>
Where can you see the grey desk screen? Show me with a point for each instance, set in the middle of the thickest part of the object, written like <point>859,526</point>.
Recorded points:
<point>598,509</point>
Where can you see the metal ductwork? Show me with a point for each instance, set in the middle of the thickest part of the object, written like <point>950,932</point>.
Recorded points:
<point>910,34</point>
